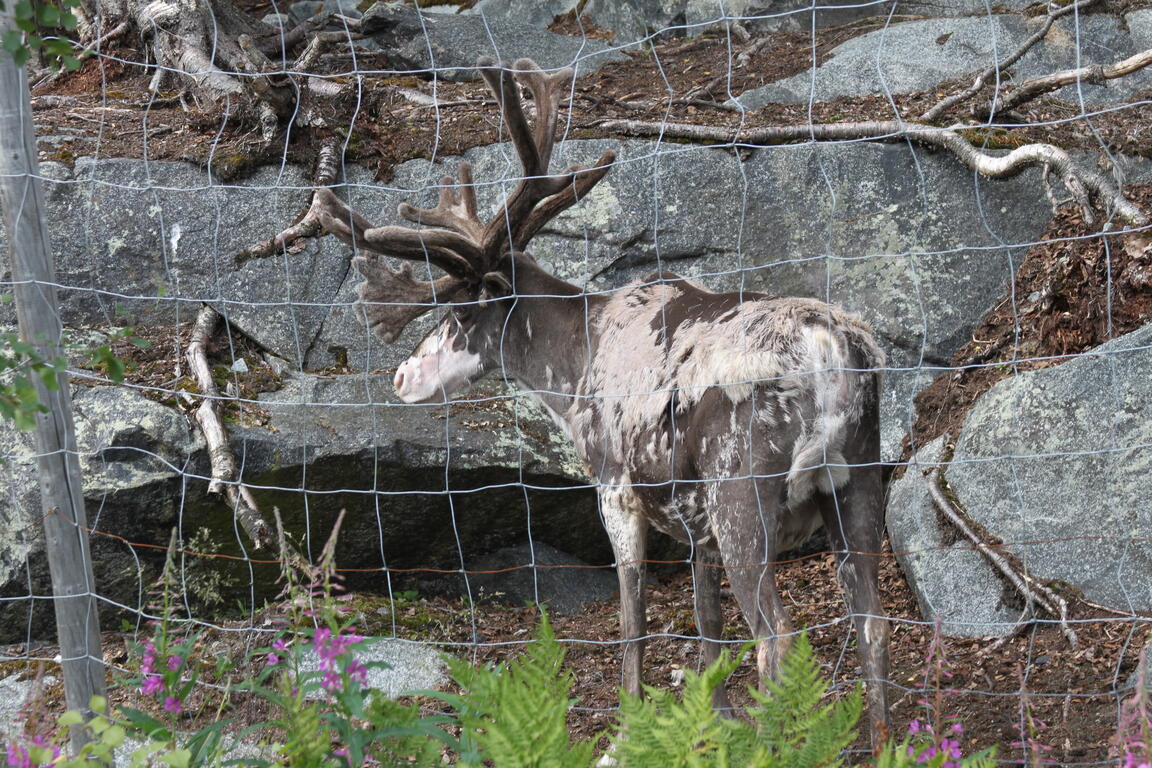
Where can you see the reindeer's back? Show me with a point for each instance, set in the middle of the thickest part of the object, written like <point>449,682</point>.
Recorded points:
<point>676,364</point>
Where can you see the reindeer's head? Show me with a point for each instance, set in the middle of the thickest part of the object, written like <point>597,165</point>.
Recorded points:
<point>479,259</point>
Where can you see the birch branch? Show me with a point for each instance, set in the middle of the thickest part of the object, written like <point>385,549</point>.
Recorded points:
<point>983,78</point>
<point>224,470</point>
<point>1080,181</point>
<point>1030,588</point>
<point>1094,75</point>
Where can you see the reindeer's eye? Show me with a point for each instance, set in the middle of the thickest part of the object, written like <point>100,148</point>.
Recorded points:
<point>463,313</point>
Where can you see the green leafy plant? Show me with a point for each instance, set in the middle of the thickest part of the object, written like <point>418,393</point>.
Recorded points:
<point>514,715</point>
<point>20,364</point>
<point>315,679</point>
<point>39,26</point>
<point>793,724</point>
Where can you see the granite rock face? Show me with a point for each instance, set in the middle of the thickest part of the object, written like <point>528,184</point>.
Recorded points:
<point>1057,463</point>
<point>953,583</point>
<point>915,55</point>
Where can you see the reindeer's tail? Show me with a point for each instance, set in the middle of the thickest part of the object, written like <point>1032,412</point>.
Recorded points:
<point>841,363</point>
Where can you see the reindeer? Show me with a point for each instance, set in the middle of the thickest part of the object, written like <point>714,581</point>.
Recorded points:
<point>736,423</point>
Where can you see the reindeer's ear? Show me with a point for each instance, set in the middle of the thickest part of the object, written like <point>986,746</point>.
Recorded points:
<point>496,286</point>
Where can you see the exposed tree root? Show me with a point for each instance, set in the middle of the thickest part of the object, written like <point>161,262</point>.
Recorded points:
<point>1035,592</point>
<point>1081,182</point>
<point>221,55</point>
<point>308,223</point>
<point>225,473</point>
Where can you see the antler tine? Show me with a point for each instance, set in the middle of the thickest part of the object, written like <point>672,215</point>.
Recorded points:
<point>546,95</point>
<point>503,86</point>
<point>338,219</point>
<point>455,210</point>
<point>455,253</point>
<point>390,297</point>
<point>579,179</point>
<point>534,148</point>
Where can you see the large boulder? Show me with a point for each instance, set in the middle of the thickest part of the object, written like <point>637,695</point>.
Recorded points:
<point>139,460</point>
<point>1054,463</point>
<point>426,490</point>
<point>915,55</point>
<point>953,583</point>
<point>146,242</point>
<point>633,21</point>
<point>448,44</point>
<point>1057,464</point>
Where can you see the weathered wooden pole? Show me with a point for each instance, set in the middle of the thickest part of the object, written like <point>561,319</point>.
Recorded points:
<point>62,499</point>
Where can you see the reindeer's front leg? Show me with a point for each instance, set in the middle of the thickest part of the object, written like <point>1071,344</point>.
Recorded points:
<point>626,530</point>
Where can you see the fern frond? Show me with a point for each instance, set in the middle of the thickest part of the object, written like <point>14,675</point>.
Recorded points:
<point>664,732</point>
<point>515,715</point>
<point>795,726</point>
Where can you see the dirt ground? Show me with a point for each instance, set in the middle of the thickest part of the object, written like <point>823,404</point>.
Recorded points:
<point>1072,692</point>
<point>1069,296</point>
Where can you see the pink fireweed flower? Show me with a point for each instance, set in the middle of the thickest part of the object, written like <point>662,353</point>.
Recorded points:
<point>149,659</point>
<point>172,704</point>
<point>358,672</point>
<point>950,747</point>
<point>914,726</point>
<point>174,663</point>
<point>331,681</point>
<point>18,757</point>
<point>271,660</point>
<point>151,685</point>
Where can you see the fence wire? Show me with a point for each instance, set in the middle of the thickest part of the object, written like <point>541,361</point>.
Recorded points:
<point>316,428</point>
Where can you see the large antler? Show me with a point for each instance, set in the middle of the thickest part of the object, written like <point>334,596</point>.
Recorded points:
<point>453,237</point>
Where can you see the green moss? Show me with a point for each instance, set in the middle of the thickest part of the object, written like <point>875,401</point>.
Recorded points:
<point>233,166</point>
<point>64,156</point>
<point>996,138</point>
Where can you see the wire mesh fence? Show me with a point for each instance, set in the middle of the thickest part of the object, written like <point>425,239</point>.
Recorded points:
<point>971,181</point>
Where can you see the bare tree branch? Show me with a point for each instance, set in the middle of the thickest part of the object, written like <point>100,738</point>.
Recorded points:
<point>983,78</point>
<point>1095,75</point>
<point>1079,181</point>
<point>1032,590</point>
<point>224,469</point>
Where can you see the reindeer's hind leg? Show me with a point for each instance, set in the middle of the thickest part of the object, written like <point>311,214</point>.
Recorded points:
<point>854,519</point>
<point>744,520</point>
<point>706,577</point>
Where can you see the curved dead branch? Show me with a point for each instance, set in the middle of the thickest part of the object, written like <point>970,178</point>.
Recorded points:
<point>225,472</point>
<point>1082,183</point>
<point>1094,75</point>
<point>982,79</point>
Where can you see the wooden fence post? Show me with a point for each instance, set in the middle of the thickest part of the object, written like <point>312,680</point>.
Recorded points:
<point>62,498</point>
